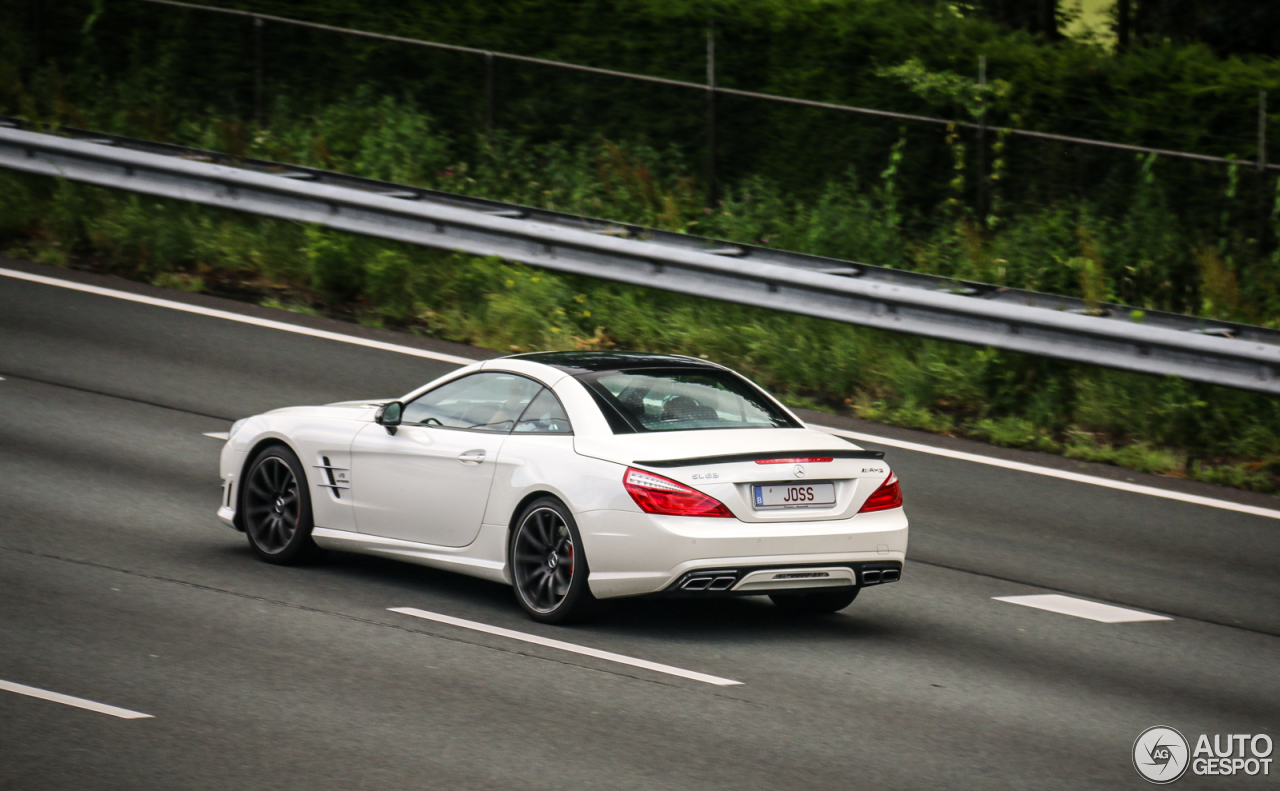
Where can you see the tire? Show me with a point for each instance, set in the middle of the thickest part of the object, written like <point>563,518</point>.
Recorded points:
<point>548,567</point>
<point>818,602</point>
<point>276,503</point>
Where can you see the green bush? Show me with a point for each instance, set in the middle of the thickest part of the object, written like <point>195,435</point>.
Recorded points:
<point>182,281</point>
<point>908,414</point>
<point>20,206</point>
<point>1138,456</point>
<point>1240,476</point>
<point>1013,432</point>
<point>389,284</point>
<point>275,252</point>
<point>524,309</point>
<point>154,235</point>
<point>337,273</point>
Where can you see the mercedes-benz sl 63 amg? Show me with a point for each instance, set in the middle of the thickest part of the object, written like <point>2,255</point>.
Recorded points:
<point>576,477</point>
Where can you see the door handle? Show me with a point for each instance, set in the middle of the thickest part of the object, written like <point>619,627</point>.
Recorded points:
<point>471,456</point>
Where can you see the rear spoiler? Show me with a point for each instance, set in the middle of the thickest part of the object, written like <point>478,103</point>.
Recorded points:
<point>785,454</point>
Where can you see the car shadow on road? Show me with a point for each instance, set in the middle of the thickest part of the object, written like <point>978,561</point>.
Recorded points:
<point>741,619</point>
<point>735,619</point>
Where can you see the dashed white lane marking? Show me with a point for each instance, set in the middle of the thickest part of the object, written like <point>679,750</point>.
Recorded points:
<point>229,316</point>
<point>222,435</point>
<point>563,646</point>
<point>80,703</point>
<point>1225,505</point>
<point>1080,608</point>
<point>1093,480</point>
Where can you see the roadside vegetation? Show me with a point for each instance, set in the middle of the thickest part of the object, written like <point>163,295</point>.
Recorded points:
<point>1154,425</point>
<point>1143,230</point>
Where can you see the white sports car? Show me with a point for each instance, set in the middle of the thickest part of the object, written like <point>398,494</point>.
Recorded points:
<point>576,477</point>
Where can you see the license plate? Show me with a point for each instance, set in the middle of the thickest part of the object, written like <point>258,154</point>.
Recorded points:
<point>794,495</point>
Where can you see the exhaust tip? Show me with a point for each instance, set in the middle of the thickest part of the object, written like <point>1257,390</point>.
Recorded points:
<point>696,583</point>
<point>890,575</point>
<point>871,576</point>
<point>722,583</point>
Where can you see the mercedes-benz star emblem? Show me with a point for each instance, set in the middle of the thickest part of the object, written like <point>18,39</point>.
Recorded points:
<point>799,471</point>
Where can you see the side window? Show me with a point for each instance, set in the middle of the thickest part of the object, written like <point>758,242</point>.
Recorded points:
<point>544,416</point>
<point>481,402</point>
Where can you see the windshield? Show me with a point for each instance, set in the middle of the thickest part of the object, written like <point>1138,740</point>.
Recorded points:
<point>681,399</point>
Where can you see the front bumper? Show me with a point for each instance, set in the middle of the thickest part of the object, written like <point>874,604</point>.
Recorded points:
<point>229,464</point>
<point>634,553</point>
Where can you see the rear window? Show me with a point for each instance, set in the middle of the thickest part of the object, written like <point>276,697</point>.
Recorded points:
<point>683,399</point>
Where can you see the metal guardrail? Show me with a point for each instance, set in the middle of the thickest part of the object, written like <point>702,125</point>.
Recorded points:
<point>1221,353</point>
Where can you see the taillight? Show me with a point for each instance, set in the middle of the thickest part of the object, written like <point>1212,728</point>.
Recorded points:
<point>806,460</point>
<point>887,495</point>
<point>657,495</point>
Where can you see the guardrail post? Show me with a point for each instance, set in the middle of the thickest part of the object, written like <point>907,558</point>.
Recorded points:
<point>713,188</point>
<point>258,24</point>
<point>1264,232</point>
<point>490,79</point>
<point>982,144</point>
<point>1124,25</point>
<point>37,44</point>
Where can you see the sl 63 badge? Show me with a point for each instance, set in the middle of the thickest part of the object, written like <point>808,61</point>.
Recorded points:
<point>705,476</point>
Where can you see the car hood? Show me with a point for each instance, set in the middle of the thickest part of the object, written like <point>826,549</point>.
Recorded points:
<point>342,410</point>
<point>656,446</point>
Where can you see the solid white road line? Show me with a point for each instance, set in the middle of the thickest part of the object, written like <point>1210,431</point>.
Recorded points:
<point>1225,505</point>
<point>222,435</point>
<point>1093,480</point>
<point>229,316</point>
<point>80,703</point>
<point>563,646</point>
<point>1094,611</point>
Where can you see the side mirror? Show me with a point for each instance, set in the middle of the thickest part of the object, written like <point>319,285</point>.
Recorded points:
<point>388,416</point>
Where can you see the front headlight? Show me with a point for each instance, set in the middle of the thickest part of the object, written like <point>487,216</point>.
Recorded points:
<point>236,426</point>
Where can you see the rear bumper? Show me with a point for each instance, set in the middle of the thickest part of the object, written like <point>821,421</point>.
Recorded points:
<point>633,553</point>
<point>773,578</point>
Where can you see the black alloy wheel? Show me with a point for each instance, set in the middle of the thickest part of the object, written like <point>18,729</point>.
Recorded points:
<point>548,568</point>
<point>277,507</point>
<point>823,601</point>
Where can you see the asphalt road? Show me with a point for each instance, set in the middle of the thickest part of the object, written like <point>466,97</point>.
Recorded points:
<point>118,585</point>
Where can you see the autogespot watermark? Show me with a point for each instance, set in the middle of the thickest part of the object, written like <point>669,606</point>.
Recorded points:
<point>1161,754</point>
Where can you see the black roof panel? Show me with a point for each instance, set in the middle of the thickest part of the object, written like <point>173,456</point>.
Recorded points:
<point>584,362</point>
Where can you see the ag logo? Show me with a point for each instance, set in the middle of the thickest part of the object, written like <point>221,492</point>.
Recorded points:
<point>798,470</point>
<point>1160,754</point>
